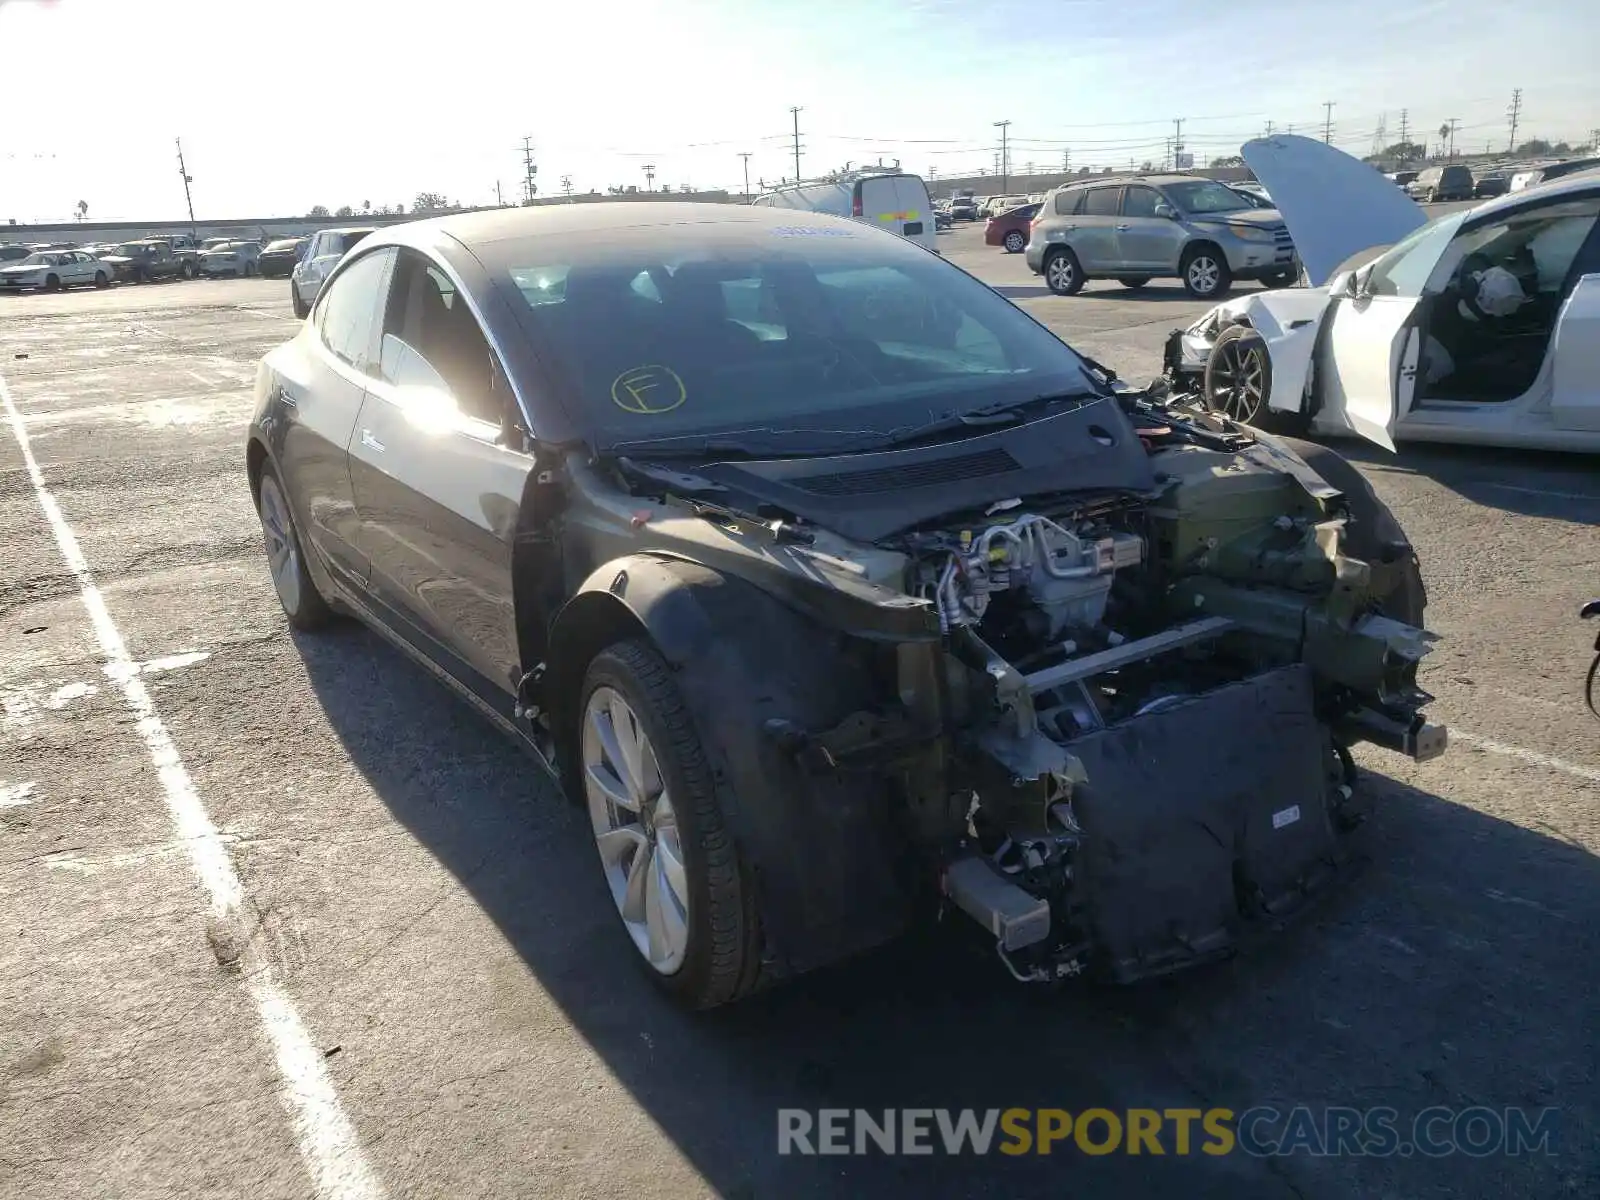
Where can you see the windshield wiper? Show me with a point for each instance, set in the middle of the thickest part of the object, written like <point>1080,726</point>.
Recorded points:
<point>1012,412</point>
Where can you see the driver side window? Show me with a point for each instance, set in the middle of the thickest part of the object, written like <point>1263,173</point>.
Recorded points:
<point>430,336</point>
<point>348,310</point>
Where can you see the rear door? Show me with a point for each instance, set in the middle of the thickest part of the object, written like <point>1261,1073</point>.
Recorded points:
<point>900,204</point>
<point>1094,240</point>
<point>438,485</point>
<point>322,389</point>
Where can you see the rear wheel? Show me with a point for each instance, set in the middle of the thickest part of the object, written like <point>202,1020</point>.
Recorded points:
<point>100,280</point>
<point>297,591</point>
<point>1133,281</point>
<point>52,283</point>
<point>1205,273</point>
<point>673,872</point>
<point>301,308</point>
<point>1279,279</point>
<point>1015,243</point>
<point>187,270</point>
<point>1062,274</point>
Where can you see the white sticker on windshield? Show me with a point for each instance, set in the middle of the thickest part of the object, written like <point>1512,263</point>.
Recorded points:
<point>1286,816</point>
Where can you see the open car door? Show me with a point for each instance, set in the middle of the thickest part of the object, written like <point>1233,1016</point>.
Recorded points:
<point>1369,363</point>
<point>1575,374</point>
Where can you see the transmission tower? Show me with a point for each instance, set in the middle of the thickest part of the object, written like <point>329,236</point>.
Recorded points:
<point>1405,127</point>
<point>1380,135</point>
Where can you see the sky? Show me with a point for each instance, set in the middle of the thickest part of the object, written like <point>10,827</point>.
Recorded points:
<point>287,104</point>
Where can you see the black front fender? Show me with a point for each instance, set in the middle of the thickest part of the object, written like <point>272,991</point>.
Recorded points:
<point>827,858</point>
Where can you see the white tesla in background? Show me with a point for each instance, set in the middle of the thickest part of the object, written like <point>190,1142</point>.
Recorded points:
<point>1481,327</point>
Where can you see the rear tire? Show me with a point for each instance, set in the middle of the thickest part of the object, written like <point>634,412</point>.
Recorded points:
<point>1015,243</point>
<point>100,280</point>
<point>301,308</point>
<point>297,591</point>
<point>52,283</point>
<point>188,270</point>
<point>1133,281</point>
<point>1062,274</point>
<point>720,960</point>
<point>1280,279</point>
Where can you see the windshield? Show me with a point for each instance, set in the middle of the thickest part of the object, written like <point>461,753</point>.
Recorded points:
<point>1201,196</point>
<point>803,340</point>
<point>132,249</point>
<point>285,245</point>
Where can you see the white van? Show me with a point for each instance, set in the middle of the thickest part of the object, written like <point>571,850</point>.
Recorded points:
<point>888,199</point>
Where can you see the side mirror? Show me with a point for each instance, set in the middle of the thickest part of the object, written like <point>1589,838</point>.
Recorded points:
<point>1167,212</point>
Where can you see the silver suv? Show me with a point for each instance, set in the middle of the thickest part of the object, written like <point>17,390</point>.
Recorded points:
<point>1136,228</point>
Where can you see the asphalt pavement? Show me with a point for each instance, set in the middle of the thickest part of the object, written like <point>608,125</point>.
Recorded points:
<point>421,989</point>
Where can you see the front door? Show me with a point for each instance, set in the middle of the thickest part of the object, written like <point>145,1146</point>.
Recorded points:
<point>437,488</point>
<point>1145,242</point>
<point>1370,358</point>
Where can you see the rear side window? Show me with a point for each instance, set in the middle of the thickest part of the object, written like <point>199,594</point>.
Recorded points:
<point>1101,202</point>
<point>349,307</point>
<point>1068,203</point>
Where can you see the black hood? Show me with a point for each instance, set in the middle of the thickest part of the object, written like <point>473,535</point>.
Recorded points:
<point>868,496</point>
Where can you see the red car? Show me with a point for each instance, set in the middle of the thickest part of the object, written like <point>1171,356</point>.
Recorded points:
<point>1010,228</point>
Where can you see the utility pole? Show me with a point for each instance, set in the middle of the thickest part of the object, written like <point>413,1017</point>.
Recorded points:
<point>1405,127</point>
<point>529,170</point>
<point>566,187</point>
<point>649,177</point>
<point>745,154</point>
<point>1327,122</point>
<point>187,180</point>
<point>1066,160</point>
<point>1454,122</point>
<point>795,113</point>
<point>499,200</point>
<point>1269,128</point>
<point>1515,113</point>
<point>1005,154</point>
<point>1177,140</point>
<point>1594,141</point>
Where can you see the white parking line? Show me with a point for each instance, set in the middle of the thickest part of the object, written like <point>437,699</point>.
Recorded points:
<point>326,1138</point>
<point>1532,757</point>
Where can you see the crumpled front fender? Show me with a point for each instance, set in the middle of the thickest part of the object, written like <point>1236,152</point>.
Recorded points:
<point>823,848</point>
<point>1288,321</point>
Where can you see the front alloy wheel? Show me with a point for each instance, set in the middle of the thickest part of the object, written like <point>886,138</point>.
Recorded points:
<point>635,830</point>
<point>1206,275</point>
<point>1062,274</point>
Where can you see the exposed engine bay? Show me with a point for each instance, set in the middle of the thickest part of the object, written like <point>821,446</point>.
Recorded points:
<point>1131,730</point>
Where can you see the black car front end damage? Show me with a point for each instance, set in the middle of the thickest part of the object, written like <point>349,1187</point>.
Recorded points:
<point>1110,725</point>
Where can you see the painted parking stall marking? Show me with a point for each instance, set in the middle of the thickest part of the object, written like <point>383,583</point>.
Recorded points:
<point>323,1132</point>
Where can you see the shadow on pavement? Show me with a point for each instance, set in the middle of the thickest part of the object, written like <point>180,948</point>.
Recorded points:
<point>1458,969</point>
<point>1532,483</point>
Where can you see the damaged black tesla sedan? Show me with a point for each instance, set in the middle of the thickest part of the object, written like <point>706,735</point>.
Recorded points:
<point>838,590</point>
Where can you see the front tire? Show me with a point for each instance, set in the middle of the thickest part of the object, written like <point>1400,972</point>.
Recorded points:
<point>1205,273</point>
<point>1062,274</point>
<point>100,280</point>
<point>1238,375</point>
<point>188,270</point>
<point>1280,279</point>
<point>1015,243</point>
<point>673,872</point>
<point>297,591</point>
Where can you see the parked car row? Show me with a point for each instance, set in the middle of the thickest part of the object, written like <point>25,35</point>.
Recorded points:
<point>53,266</point>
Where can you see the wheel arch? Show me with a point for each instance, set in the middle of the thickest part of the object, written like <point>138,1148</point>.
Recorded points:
<point>822,846</point>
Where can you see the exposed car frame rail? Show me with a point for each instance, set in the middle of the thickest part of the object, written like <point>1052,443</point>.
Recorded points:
<point>1129,652</point>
